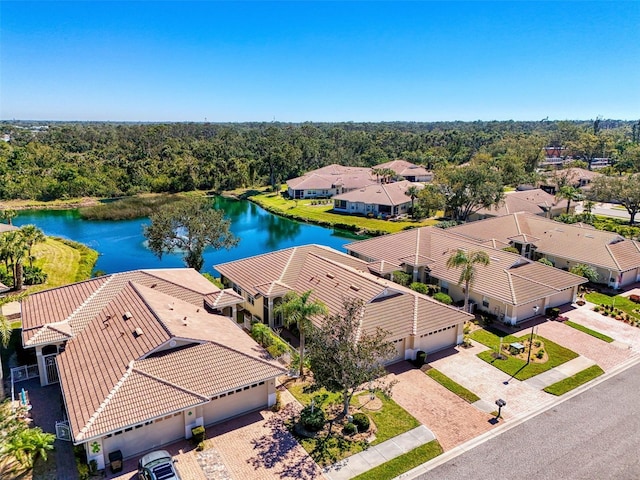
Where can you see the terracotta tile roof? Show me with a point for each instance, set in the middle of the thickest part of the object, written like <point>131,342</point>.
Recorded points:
<point>391,194</point>
<point>382,267</point>
<point>532,279</point>
<point>534,201</point>
<point>404,168</point>
<point>331,176</point>
<point>223,298</point>
<point>576,242</point>
<point>107,382</point>
<point>334,277</point>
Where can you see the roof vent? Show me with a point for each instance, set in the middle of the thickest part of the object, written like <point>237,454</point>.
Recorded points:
<point>495,259</point>
<point>331,275</point>
<point>154,285</point>
<point>127,315</point>
<point>138,332</point>
<point>588,235</point>
<point>170,306</point>
<point>184,321</point>
<point>354,288</point>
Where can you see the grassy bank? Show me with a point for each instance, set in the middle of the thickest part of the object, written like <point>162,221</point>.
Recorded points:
<point>66,203</point>
<point>64,261</point>
<point>452,386</point>
<point>403,463</point>
<point>588,331</point>
<point>320,213</point>
<point>129,208</point>
<point>580,378</point>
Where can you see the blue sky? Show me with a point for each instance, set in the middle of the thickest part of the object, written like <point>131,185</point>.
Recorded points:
<point>325,61</point>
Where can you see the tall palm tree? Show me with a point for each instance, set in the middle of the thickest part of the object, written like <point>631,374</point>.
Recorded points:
<point>467,262</point>
<point>32,235</point>
<point>297,309</point>
<point>13,249</point>
<point>412,192</point>
<point>569,193</point>
<point>8,215</point>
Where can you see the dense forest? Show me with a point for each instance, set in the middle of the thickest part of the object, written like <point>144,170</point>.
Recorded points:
<point>48,161</point>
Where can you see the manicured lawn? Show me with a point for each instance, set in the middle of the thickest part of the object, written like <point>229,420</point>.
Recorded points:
<point>321,214</point>
<point>390,420</point>
<point>514,366</point>
<point>449,384</point>
<point>619,302</point>
<point>403,463</point>
<point>63,261</point>
<point>580,378</point>
<point>588,331</point>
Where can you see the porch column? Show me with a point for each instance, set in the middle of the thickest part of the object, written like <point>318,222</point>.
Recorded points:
<point>415,274</point>
<point>270,319</point>
<point>41,367</point>
<point>234,312</point>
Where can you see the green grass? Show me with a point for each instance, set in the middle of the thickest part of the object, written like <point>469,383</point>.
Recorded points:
<point>138,206</point>
<point>514,366</point>
<point>390,420</point>
<point>452,386</point>
<point>580,378</point>
<point>403,463</point>
<point>305,211</point>
<point>588,331</point>
<point>618,301</point>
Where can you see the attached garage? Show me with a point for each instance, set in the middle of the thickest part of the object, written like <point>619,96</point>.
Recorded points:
<point>440,339</point>
<point>561,298</point>
<point>143,437</point>
<point>235,403</point>
<point>400,351</point>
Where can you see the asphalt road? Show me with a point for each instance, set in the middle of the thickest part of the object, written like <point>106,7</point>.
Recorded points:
<point>592,436</point>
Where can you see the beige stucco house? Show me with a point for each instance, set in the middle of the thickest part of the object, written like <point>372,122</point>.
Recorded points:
<point>377,200</point>
<point>143,357</point>
<point>328,181</point>
<point>414,321</point>
<point>535,201</point>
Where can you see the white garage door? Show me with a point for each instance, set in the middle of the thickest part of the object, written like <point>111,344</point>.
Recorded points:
<point>438,340</point>
<point>146,437</point>
<point>566,296</point>
<point>399,344</point>
<point>236,403</point>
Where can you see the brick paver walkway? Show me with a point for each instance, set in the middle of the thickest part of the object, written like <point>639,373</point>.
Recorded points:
<point>450,418</point>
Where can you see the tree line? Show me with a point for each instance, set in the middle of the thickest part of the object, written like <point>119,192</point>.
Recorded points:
<point>67,160</point>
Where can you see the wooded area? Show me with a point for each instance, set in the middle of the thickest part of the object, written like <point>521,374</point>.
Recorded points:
<point>67,160</point>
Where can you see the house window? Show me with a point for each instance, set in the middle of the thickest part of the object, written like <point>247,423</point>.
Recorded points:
<point>485,302</point>
<point>444,287</point>
<point>237,289</point>
<point>250,299</point>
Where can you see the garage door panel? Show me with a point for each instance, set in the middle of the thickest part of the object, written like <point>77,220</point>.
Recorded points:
<point>235,404</point>
<point>400,351</point>
<point>438,340</point>
<point>561,298</point>
<point>146,437</point>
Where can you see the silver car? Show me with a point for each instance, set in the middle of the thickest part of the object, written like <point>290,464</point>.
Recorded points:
<point>158,465</point>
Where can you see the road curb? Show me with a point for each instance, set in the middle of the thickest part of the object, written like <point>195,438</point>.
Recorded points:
<point>474,442</point>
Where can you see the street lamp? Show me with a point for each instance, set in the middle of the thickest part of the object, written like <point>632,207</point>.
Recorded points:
<point>500,403</point>
<point>535,311</point>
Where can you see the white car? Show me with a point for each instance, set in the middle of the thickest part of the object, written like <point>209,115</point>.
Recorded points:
<point>158,465</point>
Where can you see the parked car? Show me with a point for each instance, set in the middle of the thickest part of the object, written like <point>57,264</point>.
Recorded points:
<point>158,465</point>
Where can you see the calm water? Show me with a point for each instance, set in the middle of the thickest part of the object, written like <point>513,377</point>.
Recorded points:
<point>122,246</point>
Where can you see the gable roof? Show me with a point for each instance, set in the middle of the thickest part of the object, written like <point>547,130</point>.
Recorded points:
<point>332,176</point>
<point>139,350</point>
<point>405,169</point>
<point>576,242</point>
<point>509,277</point>
<point>334,277</point>
<point>534,201</point>
<point>391,194</point>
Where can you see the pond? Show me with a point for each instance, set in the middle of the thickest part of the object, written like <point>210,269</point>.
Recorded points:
<point>121,243</point>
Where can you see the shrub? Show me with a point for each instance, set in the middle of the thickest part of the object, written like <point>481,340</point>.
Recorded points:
<point>276,350</point>
<point>546,261</point>
<point>350,429</point>
<point>278,405</point>
<point>511,249</point>
<point>312,420</point>
<point>401,277</point>
<point>200,446</point>
<point>34,275</point>
<point>419,287</point>
<point>361,421</point>
<point>596,309</point>
<point>540,354</point>
<point>537,343</point>
<point>198,435</point>
<point>433,289</point>
<point>443,298</point>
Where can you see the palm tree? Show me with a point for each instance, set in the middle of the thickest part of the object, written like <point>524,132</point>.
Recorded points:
<point>13,249</point>
<point>569,193</point>
<point>296,309</point>
<point>5,323</point>
<point>467,261</point>
<point>412,192</point>
<point>8,215</point>
<point>32,235</point>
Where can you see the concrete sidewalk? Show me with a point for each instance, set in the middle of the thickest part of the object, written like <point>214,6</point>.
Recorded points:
<point>560,372</point>
<point>379,454</point>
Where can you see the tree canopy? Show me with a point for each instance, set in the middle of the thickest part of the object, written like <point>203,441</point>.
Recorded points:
<point>189,226</point>
<point>624,190</point>
<point>344,357</point>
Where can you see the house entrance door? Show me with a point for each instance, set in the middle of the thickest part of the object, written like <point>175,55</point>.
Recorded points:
<point>51,369</point>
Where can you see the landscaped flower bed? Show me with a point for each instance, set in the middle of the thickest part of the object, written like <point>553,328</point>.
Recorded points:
<point>618,307</point>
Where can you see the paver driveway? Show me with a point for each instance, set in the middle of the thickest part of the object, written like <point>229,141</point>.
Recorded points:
<point>616,329</point>
<point>450,418</point>
<point>488,382</point>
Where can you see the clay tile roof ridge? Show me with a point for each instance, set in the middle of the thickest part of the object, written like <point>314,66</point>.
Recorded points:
<point>613,257</point>
<point>415,315</point>
<point>153,312</point>
<point>512,289</point>
<point>42,330</point>
<point>105,402</point>
<point>88,300</point>
<point>150,273</point>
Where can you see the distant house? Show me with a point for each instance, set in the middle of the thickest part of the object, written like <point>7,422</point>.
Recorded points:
<point>407,170</point>
<point>615,258</point>
<point>575,177</point>
<point>380,199</point>
<point>535,201</point>
<point>328,181</point>
<point>143,357</point>
<point>511,287</point>
<point>414,321</point>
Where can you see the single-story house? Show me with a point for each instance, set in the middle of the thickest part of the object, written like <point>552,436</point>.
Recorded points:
<point>535,201</point>
<point>414,321</point>
<point>142,358</point>
<point>615,258</point>
<point>575,177</point>
<point>380,199</point>
<point>407,170</point>
<point>511,287</point>
<point>328,181</point>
